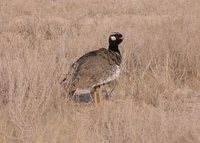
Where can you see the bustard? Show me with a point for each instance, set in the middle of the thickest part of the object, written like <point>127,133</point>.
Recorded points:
<point>95,68</point>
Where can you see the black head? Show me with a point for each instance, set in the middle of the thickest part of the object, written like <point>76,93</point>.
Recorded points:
<point>115,38</point>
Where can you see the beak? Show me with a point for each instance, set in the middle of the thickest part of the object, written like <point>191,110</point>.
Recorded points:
<point>122,38</point>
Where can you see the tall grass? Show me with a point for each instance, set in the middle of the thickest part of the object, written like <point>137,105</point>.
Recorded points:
<point>156,98</point>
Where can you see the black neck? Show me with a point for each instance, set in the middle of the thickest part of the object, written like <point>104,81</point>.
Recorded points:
<point>114,48</point>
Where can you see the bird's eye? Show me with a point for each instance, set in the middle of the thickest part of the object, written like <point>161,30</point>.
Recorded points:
<point>113,38</point>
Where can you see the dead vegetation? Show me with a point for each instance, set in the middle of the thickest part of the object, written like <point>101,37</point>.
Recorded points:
<point>157,98</point>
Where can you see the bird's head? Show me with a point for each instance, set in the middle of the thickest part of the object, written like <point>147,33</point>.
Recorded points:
<point>115,38</point>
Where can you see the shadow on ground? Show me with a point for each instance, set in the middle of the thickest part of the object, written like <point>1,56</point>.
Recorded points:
<point>87,97</point>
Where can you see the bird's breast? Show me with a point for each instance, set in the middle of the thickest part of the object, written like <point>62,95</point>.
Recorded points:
<point>111,75</point>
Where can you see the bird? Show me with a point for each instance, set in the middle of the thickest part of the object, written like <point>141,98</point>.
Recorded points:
<point>95,68</point>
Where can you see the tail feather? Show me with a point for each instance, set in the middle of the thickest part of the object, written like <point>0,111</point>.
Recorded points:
<point>67,82</point>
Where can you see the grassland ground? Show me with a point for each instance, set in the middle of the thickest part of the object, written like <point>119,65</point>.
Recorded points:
<point>156,98</point>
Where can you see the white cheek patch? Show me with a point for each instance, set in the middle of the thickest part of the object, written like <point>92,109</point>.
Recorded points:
<point>113,38</point>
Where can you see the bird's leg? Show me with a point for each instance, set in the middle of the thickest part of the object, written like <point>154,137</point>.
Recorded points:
<point>98,95</point>
<point>109,94</point>
<point>95,96</point>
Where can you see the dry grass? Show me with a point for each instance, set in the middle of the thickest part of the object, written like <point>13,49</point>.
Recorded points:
<point>157,98</point>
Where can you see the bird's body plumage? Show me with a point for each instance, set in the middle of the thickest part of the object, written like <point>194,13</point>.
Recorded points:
<point>95,68</point>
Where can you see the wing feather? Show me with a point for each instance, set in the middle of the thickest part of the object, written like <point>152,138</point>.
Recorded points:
<point>92,67</point>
